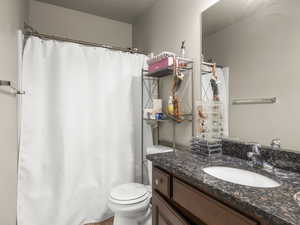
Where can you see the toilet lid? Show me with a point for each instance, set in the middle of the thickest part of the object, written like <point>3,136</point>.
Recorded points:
<point>128,192</point>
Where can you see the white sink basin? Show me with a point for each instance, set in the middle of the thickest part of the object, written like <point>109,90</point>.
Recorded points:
<point>242,177</point>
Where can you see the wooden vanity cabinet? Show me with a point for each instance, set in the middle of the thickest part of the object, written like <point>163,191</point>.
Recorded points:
<point>163,213</point>
<point>161,182</point>
<point>175,202</point>
<point>205,208</point>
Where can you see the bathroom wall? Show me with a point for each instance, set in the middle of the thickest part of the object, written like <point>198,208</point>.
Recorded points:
<point>73,24</point>
<point>163,28</point>
<point>12,16</point>
<point>262,52</point>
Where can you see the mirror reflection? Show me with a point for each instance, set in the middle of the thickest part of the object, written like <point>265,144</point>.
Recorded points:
<point>252,47</point>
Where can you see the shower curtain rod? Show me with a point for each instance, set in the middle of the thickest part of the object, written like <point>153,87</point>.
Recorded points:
<point>30,31</point>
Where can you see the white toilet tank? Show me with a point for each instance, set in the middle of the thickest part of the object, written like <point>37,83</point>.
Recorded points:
<point>155,149</point>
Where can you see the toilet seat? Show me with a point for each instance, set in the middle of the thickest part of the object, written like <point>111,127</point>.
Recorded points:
<point>130,202</point>
<point>131,193</point>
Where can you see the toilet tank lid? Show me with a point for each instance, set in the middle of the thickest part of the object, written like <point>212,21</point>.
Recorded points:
<point>126,192</point>
<point>155,149</point>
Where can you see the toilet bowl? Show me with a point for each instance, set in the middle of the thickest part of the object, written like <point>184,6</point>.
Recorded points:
<point>131,202</point>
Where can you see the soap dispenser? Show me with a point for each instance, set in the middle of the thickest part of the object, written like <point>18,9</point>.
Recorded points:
<point>170,108</point>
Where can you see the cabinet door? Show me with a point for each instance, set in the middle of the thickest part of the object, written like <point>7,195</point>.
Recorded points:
<point>161,182</point>
<point>163,214</point>
<point>208,210</point>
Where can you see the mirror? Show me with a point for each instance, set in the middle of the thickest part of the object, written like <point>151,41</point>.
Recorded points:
<point>258,43</point>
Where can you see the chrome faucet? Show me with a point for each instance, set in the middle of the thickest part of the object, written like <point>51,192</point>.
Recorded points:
<point>256,158</point>
<point>276,143</point>
<point>255,155</point>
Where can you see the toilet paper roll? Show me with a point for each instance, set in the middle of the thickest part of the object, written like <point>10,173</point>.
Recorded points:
<point>157,106</point>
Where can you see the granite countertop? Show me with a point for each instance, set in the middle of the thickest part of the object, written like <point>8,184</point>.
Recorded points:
<point>275,205</point>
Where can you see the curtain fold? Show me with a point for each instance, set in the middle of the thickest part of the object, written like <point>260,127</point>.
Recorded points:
<point>80,131</point>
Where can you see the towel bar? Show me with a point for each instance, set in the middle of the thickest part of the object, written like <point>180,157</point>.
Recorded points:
<point>9,84</point>
<point>249,101</point>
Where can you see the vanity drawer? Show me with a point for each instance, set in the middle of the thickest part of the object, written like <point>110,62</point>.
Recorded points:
<point>163,213</point>
<point>161,182</point>
<point>208,210</point>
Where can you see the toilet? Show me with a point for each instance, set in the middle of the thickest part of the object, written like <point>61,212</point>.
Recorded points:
<point>131,202</point>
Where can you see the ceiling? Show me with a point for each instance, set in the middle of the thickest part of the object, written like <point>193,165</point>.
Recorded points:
<point>227,12</point>
<point>121,10</point>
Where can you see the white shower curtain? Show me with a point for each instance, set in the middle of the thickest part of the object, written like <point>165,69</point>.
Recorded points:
<point>80,131</point>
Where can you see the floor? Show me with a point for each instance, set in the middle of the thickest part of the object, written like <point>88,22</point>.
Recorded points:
<point>106,222</point>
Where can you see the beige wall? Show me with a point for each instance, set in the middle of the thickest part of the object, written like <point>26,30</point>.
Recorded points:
<point>12,15</point>
<point>69,23</point>
<point>262,52</point>
<point>163,28</point>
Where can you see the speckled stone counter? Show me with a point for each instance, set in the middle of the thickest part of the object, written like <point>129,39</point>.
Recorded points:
<point>275,205</point>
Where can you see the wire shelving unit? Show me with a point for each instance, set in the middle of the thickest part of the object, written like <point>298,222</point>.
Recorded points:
<point>151,85</point>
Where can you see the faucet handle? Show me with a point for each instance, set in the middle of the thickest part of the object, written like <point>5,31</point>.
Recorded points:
<point>276,143</point>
